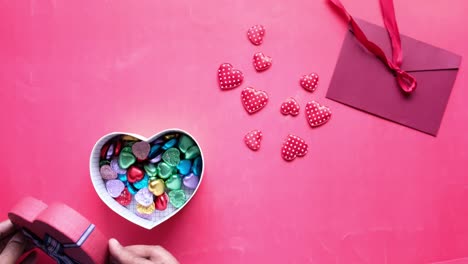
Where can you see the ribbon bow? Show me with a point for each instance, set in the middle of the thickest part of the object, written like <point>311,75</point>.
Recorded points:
<point>404,79</point>
<point>54,249</point>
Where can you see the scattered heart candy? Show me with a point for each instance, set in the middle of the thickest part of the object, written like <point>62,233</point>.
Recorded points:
<point>256,34</point>
<point>309,82</point>
<point>229,77</point>
<point>114,188</point>
<point>157,187</point>
<point>253,100</point>
<point>125,198</point>
<point>141,150</point>
<point>261,62</point>
<point>135,174</point>
<point>293,147</point>
<point>144,197</point>
<point>191,181</point>
<point>290,107</point>
<point>253,139</point>
<point>161,202</point>
<point>177,198</point>
<point>317,114</point>
<point>107,173</point>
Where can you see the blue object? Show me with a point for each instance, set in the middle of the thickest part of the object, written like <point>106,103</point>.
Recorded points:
<point>197,166</point>
<point>122,177</point>
<point>184,167</point>
<point>141,183</point>
<point>170,144</point>
<point>154,151</point>
<point>132,190</point>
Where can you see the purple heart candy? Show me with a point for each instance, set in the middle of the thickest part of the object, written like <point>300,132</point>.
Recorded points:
<point>107,173</point>
<point>156,159</point>
<point>144,197</point>
<point>114,188</point>
<point>115,166</point>
<point>191,181</point>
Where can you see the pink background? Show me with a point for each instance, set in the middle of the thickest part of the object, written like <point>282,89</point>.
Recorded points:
<point>368,191</point>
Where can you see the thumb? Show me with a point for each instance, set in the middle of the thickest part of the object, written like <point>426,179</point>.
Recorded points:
<point>121,255</point>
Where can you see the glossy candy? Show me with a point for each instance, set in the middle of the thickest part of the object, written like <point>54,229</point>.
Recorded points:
<point>135,174</point>
<point>125,197</point>
<point>261,61</point>
<point>290,107</point>
<point>156,159</point>
<point>317,114</point>
<point>185,142</point>
<point>103,162</point>
<point>164,170</point>
<point>144,197</point>
<point>191,181</point>
<point>114,188</point>
<point>117,147</point>
<point>145,209</point>
<point>161,202</point>
<point>104,150</point>
<point>192,152</point>
<point>127,149</point>
<point>115,166</point>
<point>253,139</point>
<point>151,170</point>
<point>129,138</point>
<point>309,82</point>
<point>157,187</point>
<point>177,198</point>
<point>131,189</point>
<point>184,167</point>
<point>154,151</point>
<point>171,157</point>
<point>169,144</point>
<point>228,77</point>
<point>197,166</point>
<point>110,151</point>
<point>293,147</point>
<point>141,183</point>
<point>141,150</point>
<point>256,34</point>
<point>107,173</point>
<point>122,177</point>
<point>174,183</point>
<point>253,100</point>
<point>126,159</point>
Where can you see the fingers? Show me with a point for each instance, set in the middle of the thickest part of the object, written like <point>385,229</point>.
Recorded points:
<point>157,254</point>
<point>13,250</point>
<point>121,255</point>
<point>6,228</point>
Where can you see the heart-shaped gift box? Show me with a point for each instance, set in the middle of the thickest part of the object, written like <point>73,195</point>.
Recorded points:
<point>128,212</point>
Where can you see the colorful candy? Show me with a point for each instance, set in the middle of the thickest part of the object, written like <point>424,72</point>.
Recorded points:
<point>147,176</point>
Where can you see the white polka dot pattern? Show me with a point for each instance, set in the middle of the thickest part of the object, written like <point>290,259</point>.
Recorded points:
<point>253,139</point>
<point>317,114</point>
<point>229,77</point>
<point>253,100</point>
<point>261,62</point>
<point>290,107</point>
<point>256,34</point>
<point>309,82</point>
<point>293,147</point>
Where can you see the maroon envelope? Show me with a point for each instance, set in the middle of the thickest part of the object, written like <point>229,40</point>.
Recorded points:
<point>364,82</point>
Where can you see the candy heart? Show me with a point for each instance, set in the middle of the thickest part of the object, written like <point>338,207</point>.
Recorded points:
<point>184,167</point>
<point>253,100</point>
<point>164,170</point>
<point>185,143</point>
<point>154,151</point>
<point>171,156</point>
<point>317,114</point>
<point>256,34</point>
<point>141,183</point>
<point>114,188</point>
<point>169,144</point>
<point>125,197</point>
<point>161,202</point>
<point>122,177</point>
<point>197,166</point>
<point>261,62</point>
<point>144,197</point>
<point>290,107</point>
<point>253,139</point>
<point>192,152</point>
<point>151,169</point>
<point>177,198</point>
<point>191,181</point>
<point>126,159</point>
<point>157,187</point>
<point>141,150</point>
<point>156,159</point>
<point>145,209</point>
<point>293,146</point>
<point>309,82</point>
<point>115,166</point>
<point>174,183</point>
<point>134,174</point>
<point>107,173</point>
<point>132,190</point>
<point>229,77</point>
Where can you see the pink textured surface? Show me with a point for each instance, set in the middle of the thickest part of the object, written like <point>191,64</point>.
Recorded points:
<point>368,191</point>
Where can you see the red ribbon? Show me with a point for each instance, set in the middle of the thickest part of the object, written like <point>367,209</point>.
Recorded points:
<point>404,79</point>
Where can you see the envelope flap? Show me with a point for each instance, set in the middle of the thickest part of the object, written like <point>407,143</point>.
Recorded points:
<point>417,55</point>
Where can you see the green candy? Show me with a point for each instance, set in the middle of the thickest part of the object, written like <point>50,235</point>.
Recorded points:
<point>174,183</point>
<point>192,152</point>
<point>172,156</point>
<point>126,160</point>
<point>127,149</point>
<point>151,170</point>
<point>103,162</point>
<point>185,142</point>
<point>177,198</point>
<point>164,170</point>
<point>152,178</point>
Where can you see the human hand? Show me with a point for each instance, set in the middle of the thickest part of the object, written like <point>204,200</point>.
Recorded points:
<point>139,254</point>
<point>12,244</point>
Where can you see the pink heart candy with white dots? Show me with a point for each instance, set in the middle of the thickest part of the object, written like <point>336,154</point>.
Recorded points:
<point>317,114</point>
<point>309,82</point>
<point>293,147</point>
<point>256,34</point>
<point>253,139</point>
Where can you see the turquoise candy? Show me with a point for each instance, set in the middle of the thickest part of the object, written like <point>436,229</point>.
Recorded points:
<point>154,151</point>
<point>177,198</point>
<point>169,144</point>
<point>174,182</point>
<point>192,152</point>
<point>197,166</point>
<point>122,177</point>
<point>151,170</point>
<point>171,157</point>
<point>184,167</point>
<point>126,159</point>
<point>127,149</point>
<point>131,189</point>
<point>185,142</point>
<point>142,183</point>
<point>164,170</point>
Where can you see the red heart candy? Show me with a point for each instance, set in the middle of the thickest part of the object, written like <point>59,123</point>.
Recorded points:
<point>124,198</point>
<point>255,34</point>
<point>293,147</point>
<point>309,82</point>
<point>253,100</point>
<point>229,77</point>
<point>253,139</point>
<point>317,114</point>
<point>290,107</point>
<point>161,202</point>
<point>261,62</point>
<point>134,174</point>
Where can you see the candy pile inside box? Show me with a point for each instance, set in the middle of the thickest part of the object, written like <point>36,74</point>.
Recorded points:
<point>151,179</point>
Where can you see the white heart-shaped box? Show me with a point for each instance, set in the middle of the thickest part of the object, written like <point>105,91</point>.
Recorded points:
<point>101,190</point>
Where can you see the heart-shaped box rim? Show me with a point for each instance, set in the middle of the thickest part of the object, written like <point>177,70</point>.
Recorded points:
<point>96,178</point>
